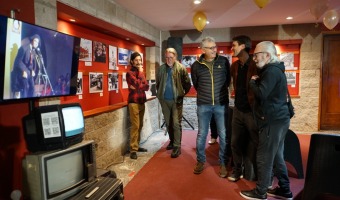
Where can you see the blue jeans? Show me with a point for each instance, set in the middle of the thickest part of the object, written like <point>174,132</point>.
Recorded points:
<point>204,113</point>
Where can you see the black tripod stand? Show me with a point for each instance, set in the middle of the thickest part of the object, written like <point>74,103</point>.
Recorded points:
<point>42,75</point>
<point>184,120</point>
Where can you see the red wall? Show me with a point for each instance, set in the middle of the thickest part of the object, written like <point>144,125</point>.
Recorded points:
<point>94,100</point>
<point>12,143</point>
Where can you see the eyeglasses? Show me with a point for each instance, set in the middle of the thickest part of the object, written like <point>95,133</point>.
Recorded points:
<point>255,54</point>
<point>211,48</point>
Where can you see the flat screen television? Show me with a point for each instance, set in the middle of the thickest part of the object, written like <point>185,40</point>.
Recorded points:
<point>36,62</point>
<point>59,174</point>
<point>53,127</point>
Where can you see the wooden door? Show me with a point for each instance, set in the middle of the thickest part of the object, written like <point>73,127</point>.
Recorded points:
<point>330,91</point>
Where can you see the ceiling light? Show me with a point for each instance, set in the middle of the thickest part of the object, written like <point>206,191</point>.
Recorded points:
<point>197,1</point>
<point>207,22</point>
<point>289,18</point>
<point>72,20</point>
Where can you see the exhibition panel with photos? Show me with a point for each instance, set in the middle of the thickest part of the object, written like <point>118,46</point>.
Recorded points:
<point>103,64</point>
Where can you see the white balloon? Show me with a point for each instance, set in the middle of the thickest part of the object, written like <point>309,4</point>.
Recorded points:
<point>331,19</point>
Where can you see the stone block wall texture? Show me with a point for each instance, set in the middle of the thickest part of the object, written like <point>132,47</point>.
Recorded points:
<point>111,131</point>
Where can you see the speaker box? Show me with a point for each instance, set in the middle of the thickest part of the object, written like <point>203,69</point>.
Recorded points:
<point>177,44</point>
<point>322,175</point>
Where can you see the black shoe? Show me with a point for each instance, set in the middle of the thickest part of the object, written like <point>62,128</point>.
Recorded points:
<point>170,146</point>
<point>253,194</point>
<point>279,193</point>
<point>176,152</point>
<point>133,155</point>
<point>140,149</point>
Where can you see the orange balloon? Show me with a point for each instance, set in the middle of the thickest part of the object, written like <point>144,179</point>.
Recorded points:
<point>261,3</point>
<point>200,20</point>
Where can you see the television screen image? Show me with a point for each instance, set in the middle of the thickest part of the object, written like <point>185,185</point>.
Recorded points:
<point>73,120</point>
<point>36,61</point>
<point>69,168</point>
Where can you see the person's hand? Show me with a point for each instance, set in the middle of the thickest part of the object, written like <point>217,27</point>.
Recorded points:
<point>132,88</point>
<point>33,73</point>
<point>255,77</point>
<point>140,68</point>
<point>24,74</point>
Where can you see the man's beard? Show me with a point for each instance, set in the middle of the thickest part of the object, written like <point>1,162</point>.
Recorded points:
<point>261,64</point>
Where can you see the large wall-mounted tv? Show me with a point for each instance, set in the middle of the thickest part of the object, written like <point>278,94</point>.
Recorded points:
<point>36,62</point>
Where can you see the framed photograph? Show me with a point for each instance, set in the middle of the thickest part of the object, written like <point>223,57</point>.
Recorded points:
<point>113,57</point>
<point>113,81</point>
<point>95,82</point>
<point>99,52</point>
<point>124,82</point>
<point>291,78</point>
<point>288,60</point>
<point>123,56</point>
<point>188,60</point>
<point>85,53</point>
<point>80,83</point>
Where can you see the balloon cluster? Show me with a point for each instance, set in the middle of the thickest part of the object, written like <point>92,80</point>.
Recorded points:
<point>318,8</point>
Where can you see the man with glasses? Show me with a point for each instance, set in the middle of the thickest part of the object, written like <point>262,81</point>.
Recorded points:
<point>172,83</point>
<point>211,78</point>
<point>273,119</point>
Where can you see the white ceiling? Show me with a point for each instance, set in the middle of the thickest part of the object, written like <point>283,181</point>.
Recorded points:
<point>178,14</point>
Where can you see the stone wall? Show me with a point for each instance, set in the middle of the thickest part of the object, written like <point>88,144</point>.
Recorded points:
<point>110,131</point>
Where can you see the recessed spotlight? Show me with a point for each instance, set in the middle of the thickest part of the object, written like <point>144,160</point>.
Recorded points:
<point>289,18</point>
<point>197,2</point>
<point>72,20</point>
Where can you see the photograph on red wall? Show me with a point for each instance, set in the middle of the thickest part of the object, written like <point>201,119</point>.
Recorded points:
<point>85,53</point>
<point>113,58</point>
<point>96,82</point>
<point>99,52</point>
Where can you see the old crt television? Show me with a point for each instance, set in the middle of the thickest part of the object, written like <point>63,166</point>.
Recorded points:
<point>53,127</point>
<point>48,70</point>
<point>59,174</point>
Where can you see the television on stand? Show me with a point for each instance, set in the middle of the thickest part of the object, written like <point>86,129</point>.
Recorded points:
<point>59,174</point>
<point>53,127</point>
<point>36,62</point>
